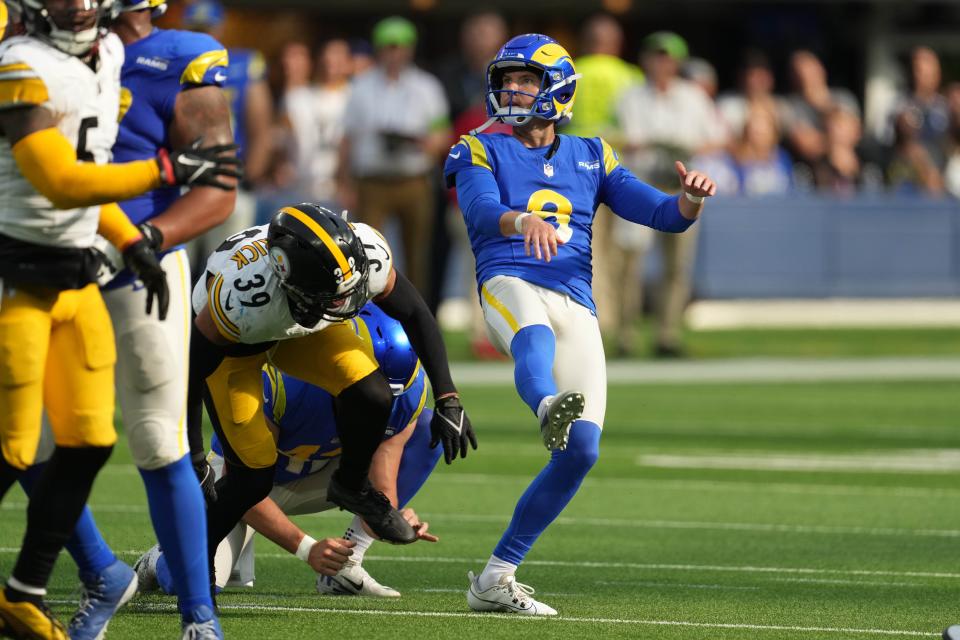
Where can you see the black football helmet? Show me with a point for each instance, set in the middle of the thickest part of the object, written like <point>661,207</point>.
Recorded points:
<point>320,262</point>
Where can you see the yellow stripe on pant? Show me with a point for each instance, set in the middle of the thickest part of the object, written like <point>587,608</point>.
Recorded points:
<point>56,351</point>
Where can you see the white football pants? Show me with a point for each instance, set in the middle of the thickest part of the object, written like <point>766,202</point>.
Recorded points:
<point>510,304</point>
<point>152,365</point>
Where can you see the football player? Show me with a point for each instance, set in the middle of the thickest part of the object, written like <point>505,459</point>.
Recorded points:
<point>59,96</point>
<point>302,419</point>
<point>529,199</point>
<point>280,293</point>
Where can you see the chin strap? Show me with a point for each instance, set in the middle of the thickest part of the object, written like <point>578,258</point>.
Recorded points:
<point>486,124</point>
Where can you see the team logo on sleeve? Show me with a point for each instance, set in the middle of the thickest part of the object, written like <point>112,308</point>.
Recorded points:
<point>281,263</point>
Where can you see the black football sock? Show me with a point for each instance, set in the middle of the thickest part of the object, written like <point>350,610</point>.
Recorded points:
<point>363,410</point>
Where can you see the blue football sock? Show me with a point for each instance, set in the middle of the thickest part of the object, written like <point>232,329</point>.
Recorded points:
<point>533,348</point>
<point>418,460</point>
<point>86,546</point>
<point>550,492</point>
<point>180,522</point>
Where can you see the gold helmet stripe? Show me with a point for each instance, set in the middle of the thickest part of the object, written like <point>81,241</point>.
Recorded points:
<point>321,233</point>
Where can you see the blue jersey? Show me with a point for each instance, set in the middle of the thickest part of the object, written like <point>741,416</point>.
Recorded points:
<point>156,69</point>
<point>307,427</point>
<point>496,173</point>
<point>247,66</point>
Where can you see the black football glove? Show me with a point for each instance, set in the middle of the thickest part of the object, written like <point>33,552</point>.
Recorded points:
<point>208,482</point>
<point>153,235</point>
<point>141,259</point>
<point>196,165</point>
<point>451,426</point>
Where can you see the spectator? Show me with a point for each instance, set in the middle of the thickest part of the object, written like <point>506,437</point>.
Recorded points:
<point>839,171</point>
<point>668,118</point>
<point>605,76</point>
<point>952,171</point>
<point>700,72</point>
<point>911,169</point>
<point>396,129</point>
<point>928,104</point>
<point>763,167</point>
<point>756,91</point>
<point>464,75</point>
<point>295,65</point>
<point>361,54</point>
<point>313,117</point>
<point>810,103</point>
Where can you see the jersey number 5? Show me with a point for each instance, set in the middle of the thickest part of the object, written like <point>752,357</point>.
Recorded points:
<point>85,125</point>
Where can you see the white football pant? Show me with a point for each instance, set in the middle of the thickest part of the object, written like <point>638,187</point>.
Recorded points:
<point>510,304</point>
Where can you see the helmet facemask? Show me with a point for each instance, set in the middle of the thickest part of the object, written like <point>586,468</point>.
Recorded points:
<point>40,23</point>
<point>308,308</point>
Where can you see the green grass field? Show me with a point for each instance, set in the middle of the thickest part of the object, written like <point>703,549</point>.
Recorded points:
<point>732,511</point>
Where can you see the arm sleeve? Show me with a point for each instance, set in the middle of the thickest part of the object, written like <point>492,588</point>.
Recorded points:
<point>116,227</point>
<point>638,202</point>
<point>49,163</point>
<point>404,303</point>
<point>479,198</point>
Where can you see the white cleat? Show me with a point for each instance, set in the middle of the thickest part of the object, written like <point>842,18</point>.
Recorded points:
<point>508,595</point>
<point>559,414</point>
<point>146,568</point>
<point>952,632</point>
<point>353,580</point>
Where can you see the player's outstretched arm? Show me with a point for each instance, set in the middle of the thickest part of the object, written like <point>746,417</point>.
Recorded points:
<point>49,162</point>
<point>198,113</point>
<point>450,425</point>
<point>696,188</point>
<point>325,556</point>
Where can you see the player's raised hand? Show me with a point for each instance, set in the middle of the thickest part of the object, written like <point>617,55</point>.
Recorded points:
<point>697,184</point>
<point>539,236</point>
<point>328,556</point>
<point>202,166</point>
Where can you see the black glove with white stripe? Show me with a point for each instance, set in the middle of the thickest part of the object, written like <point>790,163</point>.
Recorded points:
<point>196,165</point>
<point>451,426</point>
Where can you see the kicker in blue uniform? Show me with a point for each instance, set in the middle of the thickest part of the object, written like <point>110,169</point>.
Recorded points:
<point>529,199</point>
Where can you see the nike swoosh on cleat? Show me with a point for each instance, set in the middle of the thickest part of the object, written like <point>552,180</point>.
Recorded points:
<point>356,585</point>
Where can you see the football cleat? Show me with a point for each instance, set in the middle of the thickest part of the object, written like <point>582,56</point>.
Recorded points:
<point>353,580</point>
<point>375,509</point>
<point>103,594</point>
<point>146,568</point>
<point>203,626</point>
<point>28,621</point>
<point>508,595</point>
<point>557,417</point>
<point>952,632</point>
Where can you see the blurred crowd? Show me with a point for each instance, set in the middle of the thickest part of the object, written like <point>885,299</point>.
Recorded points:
<point>358,124</point>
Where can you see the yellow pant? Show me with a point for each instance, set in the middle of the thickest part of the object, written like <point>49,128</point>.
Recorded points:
<point>332,359</point>
<point>56,351</point>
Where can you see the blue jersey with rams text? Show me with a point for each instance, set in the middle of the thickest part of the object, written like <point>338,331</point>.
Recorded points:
<point>495,173</point>
<point>307,426</point>
<point>157,68</point>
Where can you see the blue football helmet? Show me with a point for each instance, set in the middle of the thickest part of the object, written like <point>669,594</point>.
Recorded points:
<point>39,23</point>
<point>558,85</point>
<point>391,346</point>
<point>157,7</point>
<point>204,15</point>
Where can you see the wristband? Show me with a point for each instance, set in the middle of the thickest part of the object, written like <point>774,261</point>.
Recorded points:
<point>694,199</point>
<point>303,549</point>
<point>518,222</point>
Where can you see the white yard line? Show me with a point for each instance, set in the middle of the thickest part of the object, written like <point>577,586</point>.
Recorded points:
<point>757,370</point>
<point>551,619</point>
<point>914,461</point>
<point>618,522</point>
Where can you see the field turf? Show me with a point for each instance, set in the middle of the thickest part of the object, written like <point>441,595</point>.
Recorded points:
<point>772,511</point>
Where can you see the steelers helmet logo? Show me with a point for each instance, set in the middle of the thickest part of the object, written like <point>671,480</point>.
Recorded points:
<point>281,263</point>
